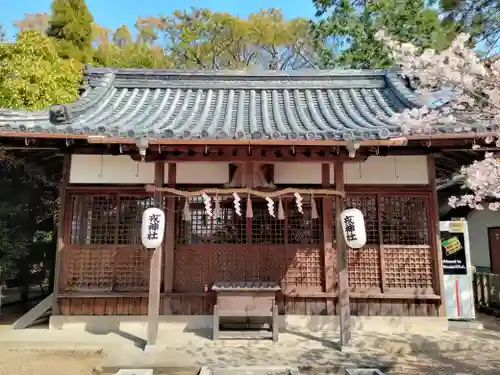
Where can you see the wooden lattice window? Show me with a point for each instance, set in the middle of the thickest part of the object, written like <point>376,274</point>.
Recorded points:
<point>405,232</point>
<point>105,268</point>
<point>199,228</point>
<point>404,219</point>
<point>105,251</point>
<point>110,219</point>
<point>262,228</point>
<point>397,225</point>
<point>303,228</point>
<point>265,228</point>
<point>408,267</point>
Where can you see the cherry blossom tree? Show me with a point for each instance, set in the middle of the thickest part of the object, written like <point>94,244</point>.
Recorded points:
<point>461,92</point>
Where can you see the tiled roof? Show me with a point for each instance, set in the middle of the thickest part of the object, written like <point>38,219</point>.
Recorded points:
<point>338,104</point>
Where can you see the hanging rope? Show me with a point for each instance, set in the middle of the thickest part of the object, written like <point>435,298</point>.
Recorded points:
<point>261,194</point>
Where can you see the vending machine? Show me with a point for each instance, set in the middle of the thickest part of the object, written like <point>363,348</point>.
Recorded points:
<point>457,269</point>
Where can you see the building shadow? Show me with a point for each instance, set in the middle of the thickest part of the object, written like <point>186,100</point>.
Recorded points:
<point>138,342</point>
<point>327,343</point>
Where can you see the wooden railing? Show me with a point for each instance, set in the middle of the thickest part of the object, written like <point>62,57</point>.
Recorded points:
<point>487,291</point>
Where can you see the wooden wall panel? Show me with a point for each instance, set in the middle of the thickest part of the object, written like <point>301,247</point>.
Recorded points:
<point>296,266</point>
<point>104,306</point>
<point>199,304</point>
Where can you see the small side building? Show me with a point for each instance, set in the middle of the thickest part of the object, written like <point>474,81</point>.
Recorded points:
<point>483,225</point>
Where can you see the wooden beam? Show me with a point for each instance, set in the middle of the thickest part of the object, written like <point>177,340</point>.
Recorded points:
<point>383,280</point>
<point>270,153</point>
<point>155,270</point>
<point>328,252</point>
<point>342,262</point>
<point>240,153</point>
<point>169,245</point>
<point>61,232</point>
<point>102,139</point>
<point>247,178</point>
<point>269,157</point>
<point>437,256</point>
<point>33,314</point>
<point>409,295</point>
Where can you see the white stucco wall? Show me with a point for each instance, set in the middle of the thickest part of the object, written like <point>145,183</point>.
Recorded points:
<point>121,169</point>
<point>388,170</point>
<point>298,173</point>
<point>479,222</point>
<point>109,169</point>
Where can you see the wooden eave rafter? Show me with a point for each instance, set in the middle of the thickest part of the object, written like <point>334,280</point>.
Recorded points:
<point>183,151</point>
<point>97,139</point>
<point>395,141</point>
<point>244,154</point>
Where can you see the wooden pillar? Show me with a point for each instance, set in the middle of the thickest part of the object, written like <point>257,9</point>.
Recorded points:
<point>61,233</point>
<point>327,217</point>
<point>169,244</point>
<point>342,258</point>
<point>383,279</point>
<point>248,179</point>
<point>437,256</point>
<point>155,269</point>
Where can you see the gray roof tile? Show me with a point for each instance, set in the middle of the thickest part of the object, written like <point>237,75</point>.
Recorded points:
<point>338,104</point>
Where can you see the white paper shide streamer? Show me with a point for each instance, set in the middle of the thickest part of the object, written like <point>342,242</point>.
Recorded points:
<point>208,204</point>
<point>314,210</point>
<point>237,204</point>
<point>298,202</point>
<point>217,207</point>
<point>152,228</point>
<point>186,213</point>
<point>353,226</point>
<point>270,206</point>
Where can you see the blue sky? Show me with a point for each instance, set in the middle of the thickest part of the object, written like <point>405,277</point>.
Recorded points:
<point>113,13</point>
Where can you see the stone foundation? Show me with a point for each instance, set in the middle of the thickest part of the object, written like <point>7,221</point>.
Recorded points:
<point>389,325</point>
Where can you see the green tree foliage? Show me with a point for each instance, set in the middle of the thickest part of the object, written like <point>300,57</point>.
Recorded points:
<point>345,37</point>
<point>147,29</point>
<point>33,21</point>
<point>33,75</point>
<point>71,24</point>
<point>122,36</point>
<point>479,18</point>
<point>200,38</point>
<point>118,49</point>
<point>27,204</point>
<point>133,55</point>
<point>280,44</point>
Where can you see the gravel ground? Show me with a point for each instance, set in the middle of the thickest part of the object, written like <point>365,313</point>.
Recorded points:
<point>27,362</point>
<point>459,363</point>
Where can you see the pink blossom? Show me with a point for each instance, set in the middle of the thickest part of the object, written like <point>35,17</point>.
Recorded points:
<point>453,77</point>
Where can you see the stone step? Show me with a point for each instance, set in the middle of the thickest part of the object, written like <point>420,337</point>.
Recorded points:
<point>156,370</point>
<point>162,369</point>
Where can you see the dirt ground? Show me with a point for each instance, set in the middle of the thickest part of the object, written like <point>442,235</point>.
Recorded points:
<point>22,362</point>
<point>27,362</point>
<point>49,362</point>
<point>459,363</point>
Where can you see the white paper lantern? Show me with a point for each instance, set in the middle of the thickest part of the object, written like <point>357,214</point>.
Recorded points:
<point>153,228</point>
<point>353,226</point>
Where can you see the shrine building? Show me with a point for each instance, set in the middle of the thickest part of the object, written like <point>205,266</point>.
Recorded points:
<point>252,171</point>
